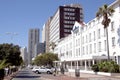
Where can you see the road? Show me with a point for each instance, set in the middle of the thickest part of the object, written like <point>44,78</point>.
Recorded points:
<point>26,74</point>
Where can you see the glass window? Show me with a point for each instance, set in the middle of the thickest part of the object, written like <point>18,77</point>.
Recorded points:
<point>94,47</point>
<point>104,32</point>
<point>90,37</point>
<point>94,35</point>
<point>83,40</point>
<point>105,45</point>
<point>83,51</point>
<point>79,51</point>
<point>98,33</point>
<point>112,26</point>
<point>119,7</point>
<point>99,47</point>
<point>87,49</point>
<point>90,48</point>
<point>113,41</point>
<point>86,38</point>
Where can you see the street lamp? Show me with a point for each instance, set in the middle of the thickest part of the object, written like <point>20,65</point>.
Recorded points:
<point>11,34</point>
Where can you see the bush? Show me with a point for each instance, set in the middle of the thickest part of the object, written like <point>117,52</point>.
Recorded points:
<point>2,74</point>
<point>95,68</point>
<point>106,66</point>
<point>109,66</point>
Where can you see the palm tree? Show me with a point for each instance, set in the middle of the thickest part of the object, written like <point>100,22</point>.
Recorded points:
<point>52,45</point>
<point>105,12</point>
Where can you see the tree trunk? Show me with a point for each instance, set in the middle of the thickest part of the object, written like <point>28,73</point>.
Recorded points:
<point>107,43</point>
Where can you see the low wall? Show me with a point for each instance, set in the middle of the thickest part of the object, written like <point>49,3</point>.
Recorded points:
<point>72,73</point>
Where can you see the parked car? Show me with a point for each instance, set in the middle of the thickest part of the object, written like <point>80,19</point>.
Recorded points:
<point>42,70</point>
<point>36,69</point>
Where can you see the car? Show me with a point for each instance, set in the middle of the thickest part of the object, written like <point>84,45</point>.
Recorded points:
<point>36,69</point>
<point>39,70</point>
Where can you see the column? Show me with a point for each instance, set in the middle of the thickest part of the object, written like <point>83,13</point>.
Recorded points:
<point>93,61</point>
<point>77,65</point>
<point>85,65</point>
<point>71,64</point>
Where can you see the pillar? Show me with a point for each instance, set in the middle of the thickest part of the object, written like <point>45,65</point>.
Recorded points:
<point>85,65</point>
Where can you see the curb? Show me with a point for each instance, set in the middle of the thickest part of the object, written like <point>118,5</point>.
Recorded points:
<point>42,78</point>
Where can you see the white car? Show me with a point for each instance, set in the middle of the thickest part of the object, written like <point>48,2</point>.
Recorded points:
<point>42,70</point>
<point>36,69</point>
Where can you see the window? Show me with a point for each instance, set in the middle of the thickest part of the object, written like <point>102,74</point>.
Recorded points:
<point>79,51</point>
<point>98,33</point>
<point>113,41</point>
<point>76,42</point>
<point>90,48</point>
<point>86,38</point>
<point>94,35</point>
<point>93,22</point>
<point>119,7</point>
<point>105,45</point>
<point>99,44</point>
<point>94,47</point>
<point>66,30</point>
<point>83,51</point>
<point>104,32</point>
<point>83,40</point>
<point>87,49</point>
<point>112,26</point>
<point>89,37</point>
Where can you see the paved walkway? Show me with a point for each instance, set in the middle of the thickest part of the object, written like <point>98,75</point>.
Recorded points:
<point>9,77</point>
<point>61,77</point>
<point>83,76</point>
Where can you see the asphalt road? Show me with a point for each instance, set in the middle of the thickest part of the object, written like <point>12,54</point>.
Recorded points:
<point>26,74</point>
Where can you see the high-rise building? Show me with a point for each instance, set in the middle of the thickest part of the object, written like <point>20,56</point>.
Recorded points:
<point>63,20</point>
<point>45,34</point>
<point>24,55</point>
<point>33,39</point>
<point>39,49</point>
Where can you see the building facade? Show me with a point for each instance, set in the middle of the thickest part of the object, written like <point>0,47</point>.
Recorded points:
<point>24,54</point>
<point>39,49</point>
<point>45,34</point>
<point>63,20</point>
<point>87,45</point>
<point>33,39</point>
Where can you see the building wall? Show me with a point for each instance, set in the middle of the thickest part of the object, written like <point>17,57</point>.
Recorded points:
<point>88,41</point>
<point>63,21</point>
<point>47,33</point>
<point>32,40</point>
<point>24,55</point>
<point>43,34</point>
<point>39,49</point>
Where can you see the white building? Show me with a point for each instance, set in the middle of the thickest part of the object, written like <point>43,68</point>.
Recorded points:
<point>87,44</point>
<point>43,33</point>
<point>24,55</point>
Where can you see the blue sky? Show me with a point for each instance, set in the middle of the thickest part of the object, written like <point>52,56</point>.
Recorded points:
<point>18,16</point>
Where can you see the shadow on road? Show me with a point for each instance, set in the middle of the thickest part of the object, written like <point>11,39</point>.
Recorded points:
<point>26,76</point>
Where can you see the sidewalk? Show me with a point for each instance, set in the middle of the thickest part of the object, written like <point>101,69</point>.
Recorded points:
<point>83,76</point>
<point>9,77</point>
<point>61,77</point>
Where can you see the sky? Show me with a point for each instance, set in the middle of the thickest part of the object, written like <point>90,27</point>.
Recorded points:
<point>18,16</point>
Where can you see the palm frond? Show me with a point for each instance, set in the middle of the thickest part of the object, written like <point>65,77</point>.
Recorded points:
<point>105,7</point>
<point>98,14</point>
<point>110,11</point>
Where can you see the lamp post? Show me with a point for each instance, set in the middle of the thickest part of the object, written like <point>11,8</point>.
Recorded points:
<point>11,34</point>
